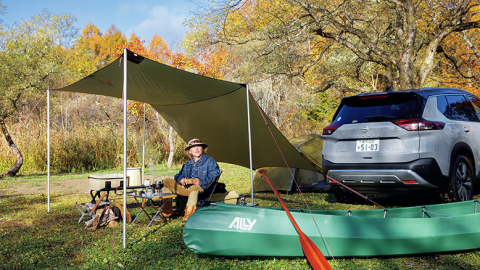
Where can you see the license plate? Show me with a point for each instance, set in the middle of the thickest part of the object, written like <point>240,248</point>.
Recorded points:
<point>367,145</point>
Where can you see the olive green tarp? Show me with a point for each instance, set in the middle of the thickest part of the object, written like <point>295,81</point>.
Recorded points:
<point>310,146</point>
<point>198,107</point>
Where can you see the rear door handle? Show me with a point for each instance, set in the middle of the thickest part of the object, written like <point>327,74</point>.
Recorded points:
<point>466,130</point>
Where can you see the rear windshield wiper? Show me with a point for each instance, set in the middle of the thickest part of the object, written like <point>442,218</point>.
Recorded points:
<point>379,117</point>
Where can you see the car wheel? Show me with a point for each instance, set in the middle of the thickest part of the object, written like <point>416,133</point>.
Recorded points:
<point>460,186</point>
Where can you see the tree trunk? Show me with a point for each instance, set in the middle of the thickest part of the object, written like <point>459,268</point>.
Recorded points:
<point>172,148</point>
<point>16,167</point>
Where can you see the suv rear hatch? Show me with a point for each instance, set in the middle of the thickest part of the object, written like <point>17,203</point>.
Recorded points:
<point>375,128</point>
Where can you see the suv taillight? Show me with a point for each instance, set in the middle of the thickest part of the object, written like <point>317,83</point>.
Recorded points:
<point>419,125</point>
<point>330,129</point>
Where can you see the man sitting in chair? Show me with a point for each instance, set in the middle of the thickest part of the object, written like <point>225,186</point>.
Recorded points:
<point>203,170</point>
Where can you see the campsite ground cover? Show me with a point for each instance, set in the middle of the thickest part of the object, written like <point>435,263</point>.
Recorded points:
<point>32,238</point>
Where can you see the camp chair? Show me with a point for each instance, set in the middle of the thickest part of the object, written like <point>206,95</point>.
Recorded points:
<point>210,189</point>
<point>206,195</point>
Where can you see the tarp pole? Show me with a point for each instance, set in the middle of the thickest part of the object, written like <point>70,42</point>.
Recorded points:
<point>143,151</point>
<point>250,145</point>
<point>48,150</point>
<point>125,147</point>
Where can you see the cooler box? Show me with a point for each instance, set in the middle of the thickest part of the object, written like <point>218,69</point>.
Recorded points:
<point>100,181</point>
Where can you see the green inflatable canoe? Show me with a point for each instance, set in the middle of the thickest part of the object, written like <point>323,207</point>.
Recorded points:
<point>237,230</point>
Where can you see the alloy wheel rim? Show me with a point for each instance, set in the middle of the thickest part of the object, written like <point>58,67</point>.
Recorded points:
<point>464,182</point>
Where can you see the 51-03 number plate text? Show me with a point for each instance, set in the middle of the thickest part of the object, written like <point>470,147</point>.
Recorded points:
<point>367,145</point>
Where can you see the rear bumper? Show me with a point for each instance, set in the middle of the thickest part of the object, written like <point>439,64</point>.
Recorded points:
<point>386,177</point>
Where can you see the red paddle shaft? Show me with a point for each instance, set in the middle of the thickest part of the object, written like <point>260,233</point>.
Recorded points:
<point>313,254</point>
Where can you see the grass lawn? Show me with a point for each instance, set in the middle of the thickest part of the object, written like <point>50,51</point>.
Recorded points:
<point>31,238</point>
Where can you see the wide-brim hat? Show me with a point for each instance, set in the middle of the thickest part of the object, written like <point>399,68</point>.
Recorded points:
<point>195,142</point>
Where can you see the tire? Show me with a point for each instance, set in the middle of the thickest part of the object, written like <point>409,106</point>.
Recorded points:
<point>460,185</point>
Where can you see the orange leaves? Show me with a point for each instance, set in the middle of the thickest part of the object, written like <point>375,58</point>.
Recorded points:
<point>134,44</point>
<point>158,49</point>
<point>214,62</point>
<point>99,49</point>
<point>210,65</point>
<point>93,50</point>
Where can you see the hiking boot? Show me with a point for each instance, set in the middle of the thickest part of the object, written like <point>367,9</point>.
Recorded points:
<point>188,212</point>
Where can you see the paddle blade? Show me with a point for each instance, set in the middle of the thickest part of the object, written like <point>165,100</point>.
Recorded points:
<point>313,254</point>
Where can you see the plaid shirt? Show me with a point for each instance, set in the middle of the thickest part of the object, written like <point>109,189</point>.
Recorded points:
<point>206,169</point>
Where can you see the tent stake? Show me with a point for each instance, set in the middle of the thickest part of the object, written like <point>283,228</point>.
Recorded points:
<point>48,149</point>
<point>250,144</point>
<point>125,147</point>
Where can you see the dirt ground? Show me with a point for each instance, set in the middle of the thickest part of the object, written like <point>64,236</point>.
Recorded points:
<point>70,186</point>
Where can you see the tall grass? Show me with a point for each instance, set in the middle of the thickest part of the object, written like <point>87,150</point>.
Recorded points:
<point>84,149</point>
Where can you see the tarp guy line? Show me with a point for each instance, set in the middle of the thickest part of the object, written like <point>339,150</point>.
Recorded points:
<point>280,150</point>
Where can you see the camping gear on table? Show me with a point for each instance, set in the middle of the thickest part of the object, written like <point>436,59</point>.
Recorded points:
<point>108,182</point>
<point>259,231</point>
<point>135,176</point>
<point>157,185</point>
<point>100,181</point>
<point>310,146</point>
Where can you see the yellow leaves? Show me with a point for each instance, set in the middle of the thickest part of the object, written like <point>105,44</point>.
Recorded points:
<point>98,49</point>
<point>465,59</point>
<point>254,16</point>
<point>136,108</point>
<point>158,49</point>
<point>90,30</point>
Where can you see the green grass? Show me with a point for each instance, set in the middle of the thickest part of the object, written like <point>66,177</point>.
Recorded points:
<point>34,239</point>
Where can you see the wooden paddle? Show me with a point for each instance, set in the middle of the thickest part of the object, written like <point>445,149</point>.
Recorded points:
<point>313,254</point>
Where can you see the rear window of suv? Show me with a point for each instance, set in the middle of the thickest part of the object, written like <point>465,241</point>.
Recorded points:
<point>382,107</point>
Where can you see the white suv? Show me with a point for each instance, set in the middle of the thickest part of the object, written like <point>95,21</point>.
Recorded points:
<point>405,141</point>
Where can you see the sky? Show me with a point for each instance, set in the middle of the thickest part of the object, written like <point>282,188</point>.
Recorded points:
<point>145,18</point>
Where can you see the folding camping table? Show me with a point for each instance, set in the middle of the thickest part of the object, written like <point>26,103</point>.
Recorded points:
<point>114,189</point>
<point>149,199</point>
